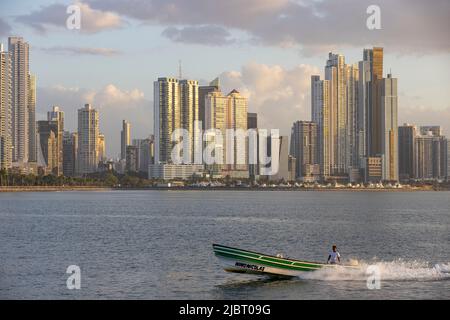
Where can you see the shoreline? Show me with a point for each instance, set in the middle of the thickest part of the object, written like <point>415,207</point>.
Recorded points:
<point>101,188</point>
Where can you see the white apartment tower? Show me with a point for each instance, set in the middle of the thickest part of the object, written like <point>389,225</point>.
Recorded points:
<point>88,137</point>
<point>19,51</point>
<point>5,109</point>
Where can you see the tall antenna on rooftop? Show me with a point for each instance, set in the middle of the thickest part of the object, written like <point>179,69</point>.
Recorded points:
<point>180,74</point>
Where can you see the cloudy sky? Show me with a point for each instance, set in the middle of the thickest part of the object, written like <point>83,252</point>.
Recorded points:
<point>267,49</point>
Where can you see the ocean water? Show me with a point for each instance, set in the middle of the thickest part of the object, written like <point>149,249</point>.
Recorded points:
<point>157,244</point>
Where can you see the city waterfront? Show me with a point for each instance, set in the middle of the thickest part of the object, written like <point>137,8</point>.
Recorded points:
<point>150,244</point>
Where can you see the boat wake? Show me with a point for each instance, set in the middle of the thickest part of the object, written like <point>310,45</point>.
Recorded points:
<point>398,270</point>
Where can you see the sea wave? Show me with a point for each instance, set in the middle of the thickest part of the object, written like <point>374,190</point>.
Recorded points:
<point>397,270</point>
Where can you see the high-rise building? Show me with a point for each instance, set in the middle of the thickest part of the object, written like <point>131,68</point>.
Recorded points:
<point>167,117</point>
<point>352,81</point>
<point>31,111</point>
<point>335,73</point>
<point>49,149</point>
<point>423,157</point>
<point>189,100</point>
<point>132,159</point>
<point>203,91</point>
<point>223,113</point>
<point>125,139</point>
<point>406,144</point>
<point>389,127</point>
<point>88,131</point>
<point>364,102</point>
<point>283,173</point>
<point>19,52</point>
<point>303,148</point>
<point>145,153</point>
<point>253,168</point>
<point>101,147</point>
<point>320,114</point>
<point>375,58</point>
<point>56,114</point>
<point>70,151</point>
<point>5,110</point>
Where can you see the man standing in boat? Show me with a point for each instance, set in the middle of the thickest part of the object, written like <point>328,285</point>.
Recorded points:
<point>334,257</point>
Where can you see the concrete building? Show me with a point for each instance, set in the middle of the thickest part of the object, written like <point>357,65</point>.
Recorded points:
<point>203,91</point>
<point>320,114</point>
<point>223,113</point>
<point>31,111</point>
<point>101,148</point>
<point>389,127</point>
<point>48,141</point>
<point>252,120</point>
<point>175,107</point>
<point>5,110</point>
<point>57,115</point>
<point>70,151</point>
<point>125,139</point>
<point>373,169</point>
<point>174,171</point>
<point>19,53</point>
<point>406,144</point>
<point>145,153</point>
<point>335,73</point>
<point>304,149</point>
<point>423,157</point>
<point>88,132</point>
<point>283,173</point>
<point>132,159</point>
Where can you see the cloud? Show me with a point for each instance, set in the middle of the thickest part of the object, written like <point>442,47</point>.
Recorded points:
<point>107,52</point>
<point>408,26</point>
<point>55,16</point>
<point>206,35</point>
<point>279,95</point>
<point>5,28</point>
<point>113,103</point>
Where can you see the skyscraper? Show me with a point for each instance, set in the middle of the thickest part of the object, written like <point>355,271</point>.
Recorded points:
<point>423,157</point>
<point>167,117</point>
<point>336,75</point>
<point>101,147</point>
<point>375,58</point>
<point>252,120</point>
<point>132,159</point>
<point>304,149</point>
<point>189,101</point>
<point>5,110</point>
<point>145,153</point>
<point>389,126</point>
<point>88,131</point>
<point>352,80</point>
<point>48,142</point>
<point>31,111</point>
<point>70,151</point>
<point>125,139</point>
<point>406,144</point>
<point>57,115</point>
<point>203,91</point>
<point>320,114</point>
<point>19,52</point>
<point>228,112</point>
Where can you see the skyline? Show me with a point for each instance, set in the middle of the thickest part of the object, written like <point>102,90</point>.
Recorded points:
<point>270,75</point>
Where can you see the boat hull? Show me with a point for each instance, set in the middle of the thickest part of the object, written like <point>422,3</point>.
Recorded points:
<point>244,261</point>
